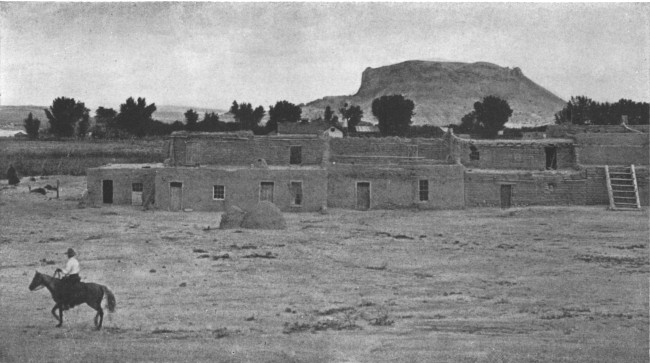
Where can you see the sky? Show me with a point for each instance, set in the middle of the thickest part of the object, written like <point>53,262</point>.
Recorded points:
<point>208,54</point>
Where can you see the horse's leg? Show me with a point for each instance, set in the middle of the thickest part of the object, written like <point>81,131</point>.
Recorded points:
<point>60,317</point>
<point>100,315</point>
<point>53,311</point>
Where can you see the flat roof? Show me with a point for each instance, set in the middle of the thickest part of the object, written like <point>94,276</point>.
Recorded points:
<point>210,167</point>
<point>514,142</point>
<point>132,166</point>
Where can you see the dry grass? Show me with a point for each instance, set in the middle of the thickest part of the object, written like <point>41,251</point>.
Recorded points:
<point>570,285</point>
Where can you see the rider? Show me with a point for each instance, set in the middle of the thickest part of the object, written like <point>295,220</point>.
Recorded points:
<point>71,276</point>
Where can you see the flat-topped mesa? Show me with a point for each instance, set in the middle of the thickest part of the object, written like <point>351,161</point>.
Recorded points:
<point>443,92</point>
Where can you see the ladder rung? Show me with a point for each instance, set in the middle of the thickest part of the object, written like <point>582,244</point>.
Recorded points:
<point>625,179</point>
<point>623,185</point>
<point>617,197</point>
<point>634,204</point>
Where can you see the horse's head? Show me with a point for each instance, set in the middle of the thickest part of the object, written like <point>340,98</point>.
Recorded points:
<point>37,282</point>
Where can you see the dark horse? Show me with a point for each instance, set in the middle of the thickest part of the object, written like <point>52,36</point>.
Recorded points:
<point>89,293</point>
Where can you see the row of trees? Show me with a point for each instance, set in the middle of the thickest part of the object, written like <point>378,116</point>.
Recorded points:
<point>582,110</point>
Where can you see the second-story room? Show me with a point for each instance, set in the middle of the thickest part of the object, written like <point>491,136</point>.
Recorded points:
<point>244,148</point>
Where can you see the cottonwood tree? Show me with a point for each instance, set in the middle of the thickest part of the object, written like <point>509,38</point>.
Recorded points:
<point>64,114</point>
<point>488,117</point>
<point>327,116</point>
<point>247,117</point>
<point>135,116</point>
<point>104,122</point>
<point>31,126</point>
<point>351,114</point>
<point>582,110</point>
<point>84,125</point>
<point>394,114</point>
<point>283,111</point>
<point>191,119</point>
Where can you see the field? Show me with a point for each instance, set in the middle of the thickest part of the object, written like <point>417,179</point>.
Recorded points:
<point>73,157</point>
<point>566,284</point>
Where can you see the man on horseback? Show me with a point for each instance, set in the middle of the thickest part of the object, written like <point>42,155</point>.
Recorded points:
<point>70,279</point>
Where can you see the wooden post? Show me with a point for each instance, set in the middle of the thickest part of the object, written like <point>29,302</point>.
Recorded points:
<point>610,193</point>
<point>636,187</point>
<point>57,189</point>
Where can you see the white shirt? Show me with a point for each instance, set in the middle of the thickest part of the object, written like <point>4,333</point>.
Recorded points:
<point>72,267</point>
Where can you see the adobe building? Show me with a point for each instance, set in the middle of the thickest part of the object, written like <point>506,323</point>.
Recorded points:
<point>307,172</point>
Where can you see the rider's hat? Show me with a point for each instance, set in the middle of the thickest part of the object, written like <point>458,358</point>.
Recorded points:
<point>71,252</point>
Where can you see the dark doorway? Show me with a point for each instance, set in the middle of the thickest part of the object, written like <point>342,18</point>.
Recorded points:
<point>506,196</point>
<point>473,154</point>
<point>107,191</point>
<point>296,155</point>
<point>176,196</point>
<point>363,195</point>
<point>551,157</point>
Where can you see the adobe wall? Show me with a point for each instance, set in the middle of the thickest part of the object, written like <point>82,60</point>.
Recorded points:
<point>572,130</point>
<point>437,149</point>
<point>515,156</point>
<point>612,149</point>
<point>596,185</point>
<point>242,187</point>
<point>483,188</point>
<point>396,187</point>
<point>122,183</point>
<point>275,150</point>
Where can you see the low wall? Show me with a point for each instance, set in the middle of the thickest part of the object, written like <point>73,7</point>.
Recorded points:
<point>202,149</point>
<point>514,156</point>
<point>123,178</point>
<point>242,187</point>
<point>396,187</point>
<point>483,188</point>
<point>612,149</point>
<point>437,149</point>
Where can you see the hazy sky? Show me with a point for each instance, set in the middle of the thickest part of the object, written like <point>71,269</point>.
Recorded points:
<point>208,54</point>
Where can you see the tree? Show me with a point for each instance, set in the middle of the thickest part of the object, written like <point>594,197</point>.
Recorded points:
<point>328,115</point>
<point>247,117</point>
<point>487,119</point>
<point>284,111</point>
<point>104,122</point>
<point>210,123</point>
<point>135,117</point>
<point>351,114</point>
<point>63,116</point>
<point>582,110</point>
<point>191,118</point>
<point>31,126</point>
<point>84,125</point>
<point>394,114</point>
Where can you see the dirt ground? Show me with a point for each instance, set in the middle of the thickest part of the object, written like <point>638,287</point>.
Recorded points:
<point>567,284</point>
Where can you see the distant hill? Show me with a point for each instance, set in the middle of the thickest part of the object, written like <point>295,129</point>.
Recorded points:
<point>12,117</point>
<point>443,92</point>
<point>169,114</point>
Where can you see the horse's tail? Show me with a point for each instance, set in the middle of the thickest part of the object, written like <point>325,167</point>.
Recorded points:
<point>110,298</point>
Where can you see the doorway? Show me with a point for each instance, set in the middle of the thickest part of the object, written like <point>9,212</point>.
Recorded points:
<point>176,196</point>
<point>107,191</point>
<point>363,195</point>
<point>506,196</point>
<point>551,157</point>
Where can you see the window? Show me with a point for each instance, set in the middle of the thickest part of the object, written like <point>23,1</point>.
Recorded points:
<point>474,154</point>
<point>424,190</point>
<point>137,187</point>
<point>219,192</point>
<point>266,191</point>
<point>296,155</point>
<point>295,188</point>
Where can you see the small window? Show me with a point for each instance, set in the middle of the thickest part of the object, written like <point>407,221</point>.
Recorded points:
<point>474,154</point>
<point>137,187</point>
<point>296,155</point>
<point>136,193</point>
<point>219,192</point>
<point>551,187</point>
<point>296,193</point>
<point>266,191</point>
<point>424,190</point>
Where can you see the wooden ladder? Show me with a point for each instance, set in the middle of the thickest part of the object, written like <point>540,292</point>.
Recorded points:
<point>622,188</point>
